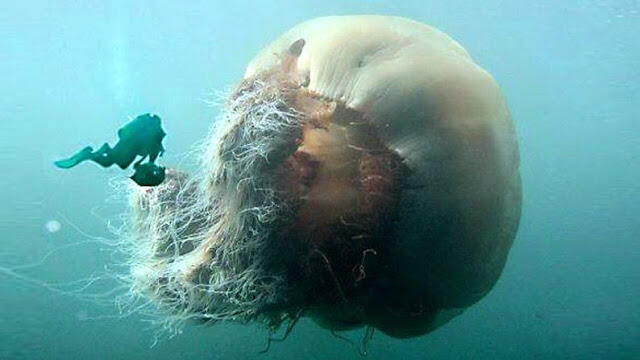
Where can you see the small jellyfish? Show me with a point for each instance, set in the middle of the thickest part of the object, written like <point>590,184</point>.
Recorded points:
<point>53,226</point>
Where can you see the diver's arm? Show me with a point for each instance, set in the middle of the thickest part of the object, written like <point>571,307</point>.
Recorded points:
<point>135,166</point>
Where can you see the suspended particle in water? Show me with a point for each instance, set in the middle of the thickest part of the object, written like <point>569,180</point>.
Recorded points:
<point>82,315</point>
<point>53,226</point>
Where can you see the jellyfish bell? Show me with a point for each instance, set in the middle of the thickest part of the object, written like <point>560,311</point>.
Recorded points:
<point>363,173</point>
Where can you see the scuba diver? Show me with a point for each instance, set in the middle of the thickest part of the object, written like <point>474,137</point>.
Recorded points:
<point>141,137</point>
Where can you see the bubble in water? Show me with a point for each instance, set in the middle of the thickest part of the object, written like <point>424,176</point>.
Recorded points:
<point>53,226</point>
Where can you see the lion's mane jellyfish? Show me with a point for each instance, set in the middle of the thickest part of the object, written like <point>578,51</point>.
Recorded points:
<point>363,173</point>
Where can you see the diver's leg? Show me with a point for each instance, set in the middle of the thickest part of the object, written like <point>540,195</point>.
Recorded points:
<point>123,154</point>
<point>125,161</point>
<point>80,156</point>
<point>103,156</point>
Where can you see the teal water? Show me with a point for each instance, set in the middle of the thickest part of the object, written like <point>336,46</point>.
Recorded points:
<point>71,72</point>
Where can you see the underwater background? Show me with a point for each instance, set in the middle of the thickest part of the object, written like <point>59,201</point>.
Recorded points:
<point>73,72</point>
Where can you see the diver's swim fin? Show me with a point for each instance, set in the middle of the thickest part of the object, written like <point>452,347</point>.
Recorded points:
<point>80,156</point>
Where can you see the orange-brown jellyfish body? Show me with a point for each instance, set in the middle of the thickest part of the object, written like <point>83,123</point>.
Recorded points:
<point>364,173</point>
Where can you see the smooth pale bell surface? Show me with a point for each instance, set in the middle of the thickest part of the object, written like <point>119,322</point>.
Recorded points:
<point>447,119</point>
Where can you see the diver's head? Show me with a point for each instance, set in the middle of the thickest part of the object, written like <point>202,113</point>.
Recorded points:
<point>148,174</point>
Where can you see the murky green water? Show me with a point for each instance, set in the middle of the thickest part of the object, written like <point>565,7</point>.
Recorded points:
<point>72,72</point>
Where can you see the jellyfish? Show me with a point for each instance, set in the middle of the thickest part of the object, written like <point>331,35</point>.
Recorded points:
<point>142,137</point>
<point>363,173</point>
